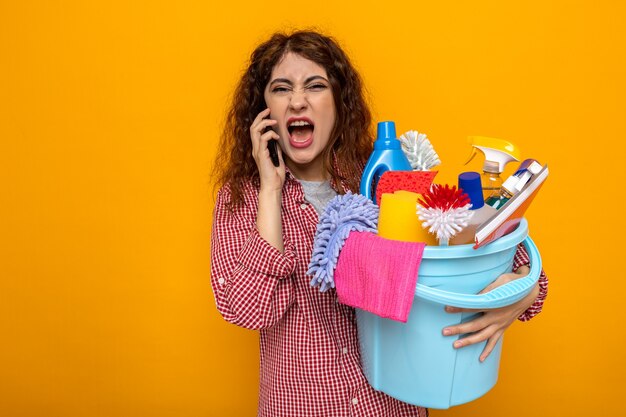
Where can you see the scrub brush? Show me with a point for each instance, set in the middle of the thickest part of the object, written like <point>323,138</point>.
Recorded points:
<point>343,214</point>
<point>419,151</point>
<point>444,211</point>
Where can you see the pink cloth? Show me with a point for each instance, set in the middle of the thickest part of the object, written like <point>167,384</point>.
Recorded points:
<point>378,275</point>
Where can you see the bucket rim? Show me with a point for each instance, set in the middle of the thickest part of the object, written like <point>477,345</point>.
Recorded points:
<point>465,251</point>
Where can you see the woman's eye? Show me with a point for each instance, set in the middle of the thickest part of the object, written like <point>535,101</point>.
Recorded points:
<point>316,87</point>
<point>279,89</point>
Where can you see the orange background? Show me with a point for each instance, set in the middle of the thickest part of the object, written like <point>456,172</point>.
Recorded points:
<point>109,119</point>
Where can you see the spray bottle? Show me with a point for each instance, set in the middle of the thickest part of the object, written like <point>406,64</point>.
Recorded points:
<point>387,156</point>
<point>498,152</point>
<point>508,190</point>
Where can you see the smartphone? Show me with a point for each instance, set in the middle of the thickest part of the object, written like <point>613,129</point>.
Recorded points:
<point>271,146</point>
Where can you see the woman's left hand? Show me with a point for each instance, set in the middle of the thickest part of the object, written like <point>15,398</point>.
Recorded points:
<point>492,323</point>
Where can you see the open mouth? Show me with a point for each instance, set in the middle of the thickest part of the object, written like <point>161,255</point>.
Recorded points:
<point>300,130</point>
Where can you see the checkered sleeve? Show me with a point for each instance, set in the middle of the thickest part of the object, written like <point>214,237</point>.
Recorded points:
<point>251,280</point>
<point>521,258</point>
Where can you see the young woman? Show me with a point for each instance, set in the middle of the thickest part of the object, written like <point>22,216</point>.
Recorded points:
<point>302,91</point>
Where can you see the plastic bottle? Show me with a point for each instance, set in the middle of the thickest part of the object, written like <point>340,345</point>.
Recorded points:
<point>529,164</point>
<point>527,169</point>
<point>508,190</point>
<point>498,153</point>
<point>470,183</point>
<point>490,179</point>
<point>386,156</point>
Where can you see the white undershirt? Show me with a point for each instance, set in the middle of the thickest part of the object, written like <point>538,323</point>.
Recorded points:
<point>318,193</point>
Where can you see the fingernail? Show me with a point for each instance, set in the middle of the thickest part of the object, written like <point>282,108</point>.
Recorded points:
<point>458,344</point>
<point>447,332</point>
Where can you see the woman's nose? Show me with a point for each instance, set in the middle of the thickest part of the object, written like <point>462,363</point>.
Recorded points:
<point>298,100</point>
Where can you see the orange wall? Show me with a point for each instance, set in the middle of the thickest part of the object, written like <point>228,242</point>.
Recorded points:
<point>109,115</point>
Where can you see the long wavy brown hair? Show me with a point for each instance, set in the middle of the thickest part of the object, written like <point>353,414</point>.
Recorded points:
<point>350,140</point>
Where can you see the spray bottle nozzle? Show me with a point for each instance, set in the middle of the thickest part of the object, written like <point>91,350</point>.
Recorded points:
<point>496,150</point>
<point>472,155</point>
<point>491,166</point>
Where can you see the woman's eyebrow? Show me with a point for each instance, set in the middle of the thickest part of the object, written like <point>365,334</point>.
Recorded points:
<point>281,80</point>
<point>286,81</point>
<point>314,77</point>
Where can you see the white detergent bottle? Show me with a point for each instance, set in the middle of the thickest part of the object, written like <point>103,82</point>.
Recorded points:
<point>470,183</point>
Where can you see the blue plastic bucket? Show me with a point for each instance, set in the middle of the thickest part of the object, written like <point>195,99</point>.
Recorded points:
<point>413,361</point>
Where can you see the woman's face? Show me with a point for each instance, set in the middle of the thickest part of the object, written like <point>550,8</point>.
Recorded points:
<point>300,99</point>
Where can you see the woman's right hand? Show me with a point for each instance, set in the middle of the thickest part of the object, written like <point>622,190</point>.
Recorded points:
<point>272,177</point>
<point>268,218</point>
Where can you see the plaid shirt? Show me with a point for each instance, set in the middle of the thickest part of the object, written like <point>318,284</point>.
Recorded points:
<point>310,361</point>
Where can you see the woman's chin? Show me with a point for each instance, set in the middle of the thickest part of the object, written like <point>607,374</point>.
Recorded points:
<point>301,156</point>
<point>300,164</point>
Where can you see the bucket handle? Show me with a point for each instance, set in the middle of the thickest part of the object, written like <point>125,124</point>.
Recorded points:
<point>501,296</point>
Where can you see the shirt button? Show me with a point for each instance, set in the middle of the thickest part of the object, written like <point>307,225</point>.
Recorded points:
<point>355,401</point>
<point>344,350</point>
<point>303,206</point>
<point>221,281</point>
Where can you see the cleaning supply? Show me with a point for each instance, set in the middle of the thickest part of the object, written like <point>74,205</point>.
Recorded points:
<point>343,214</point>
<point>526,170</point>
<point>490,179</point>
<point>469,182</point>
<point>529,164</point>
<point>497,152</point>
<point>511,214</point>
<point>508,190</point>
<point>414,362</point>
<point>444,211</point>
<point>378,275</point>
<point>419,151</point>
<point>415,181</point>
<point>386,156</point>
<point>398,220</point>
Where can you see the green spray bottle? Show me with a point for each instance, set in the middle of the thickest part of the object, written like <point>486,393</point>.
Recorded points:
<point>498,153</point>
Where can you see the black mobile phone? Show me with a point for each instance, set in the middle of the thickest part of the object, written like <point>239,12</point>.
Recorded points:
<point>271,146</point>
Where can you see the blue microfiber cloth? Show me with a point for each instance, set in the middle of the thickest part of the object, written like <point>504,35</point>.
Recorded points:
<point>343,214</point>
